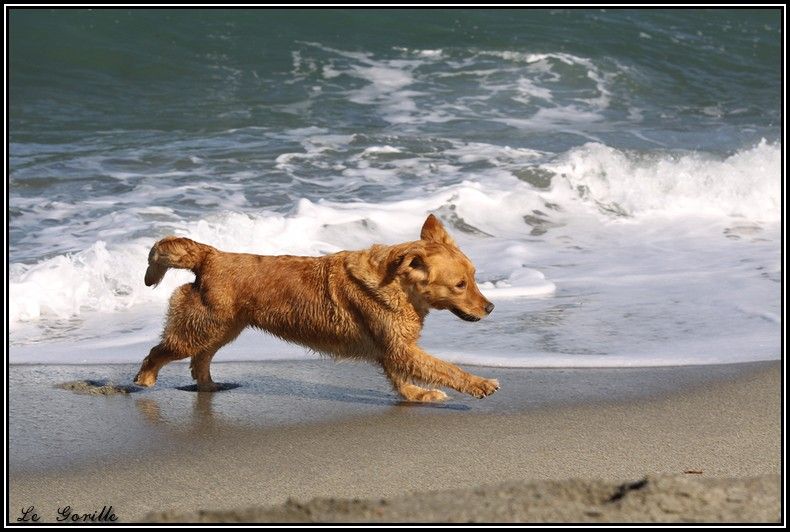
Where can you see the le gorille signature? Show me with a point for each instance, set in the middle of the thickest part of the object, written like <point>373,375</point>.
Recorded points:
<point>67,514</point>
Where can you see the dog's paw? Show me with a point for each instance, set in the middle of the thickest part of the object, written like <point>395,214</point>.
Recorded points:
<point>483,387</point>
<point>415,394</point>
<point>430,396</point>
<point>144,379</point>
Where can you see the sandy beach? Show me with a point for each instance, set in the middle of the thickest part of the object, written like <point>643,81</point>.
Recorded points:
<point>319,441</point>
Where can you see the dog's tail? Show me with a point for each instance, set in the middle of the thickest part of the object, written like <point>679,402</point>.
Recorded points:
<point>175,252</point>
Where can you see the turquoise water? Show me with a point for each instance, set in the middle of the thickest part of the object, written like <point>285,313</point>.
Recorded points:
<point>572,151</point>
<point>200,71</point>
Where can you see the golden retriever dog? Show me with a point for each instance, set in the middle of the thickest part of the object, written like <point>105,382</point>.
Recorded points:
<point>368,304</point>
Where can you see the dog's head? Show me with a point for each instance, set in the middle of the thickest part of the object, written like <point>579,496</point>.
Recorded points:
<point>441,275</point>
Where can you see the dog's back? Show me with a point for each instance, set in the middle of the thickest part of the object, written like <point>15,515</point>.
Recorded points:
<point>307,300</point>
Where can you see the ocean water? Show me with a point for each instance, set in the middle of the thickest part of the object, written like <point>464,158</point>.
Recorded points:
<point>614,174</point>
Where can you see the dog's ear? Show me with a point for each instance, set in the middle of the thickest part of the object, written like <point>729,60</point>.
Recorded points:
<point>411,264</point>
<point>434,231</point>
<point>379,266</point>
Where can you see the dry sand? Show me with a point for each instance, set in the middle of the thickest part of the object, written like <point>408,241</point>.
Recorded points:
<point>675,499</point>
<point>181,453</point>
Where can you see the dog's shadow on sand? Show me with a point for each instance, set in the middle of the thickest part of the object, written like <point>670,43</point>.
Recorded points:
<point>272,385</point>
<point>220,387</point>
<point>278,386</point>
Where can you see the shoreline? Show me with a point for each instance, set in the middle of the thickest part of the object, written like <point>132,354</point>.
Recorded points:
<point>319,429</point>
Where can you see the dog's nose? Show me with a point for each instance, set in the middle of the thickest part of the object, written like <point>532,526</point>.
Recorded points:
<point>489,307</point>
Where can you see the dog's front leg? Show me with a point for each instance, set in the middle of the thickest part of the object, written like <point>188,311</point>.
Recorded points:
<point>415,363</point>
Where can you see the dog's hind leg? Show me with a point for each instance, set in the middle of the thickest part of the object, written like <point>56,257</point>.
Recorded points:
<point>412,392</point>
<point>415,363</point>
<point>190,330</point>
<point>199,366</point>
<point>201,362</point>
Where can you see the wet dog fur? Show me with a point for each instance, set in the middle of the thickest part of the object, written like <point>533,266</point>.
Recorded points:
<point>368,304</point>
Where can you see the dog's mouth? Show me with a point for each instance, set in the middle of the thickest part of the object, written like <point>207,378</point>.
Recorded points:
<point>463,315</point>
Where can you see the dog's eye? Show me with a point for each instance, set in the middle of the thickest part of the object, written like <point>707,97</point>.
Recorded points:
<point>461,285</point>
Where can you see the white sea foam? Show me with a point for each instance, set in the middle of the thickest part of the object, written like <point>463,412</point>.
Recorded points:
<point>529,90</point>
<point>432,54</point>
<point>543,68</point>
<point>746,184</point>
<point>401,88</point>
<point>386,80</point>
<point>373,150</point>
